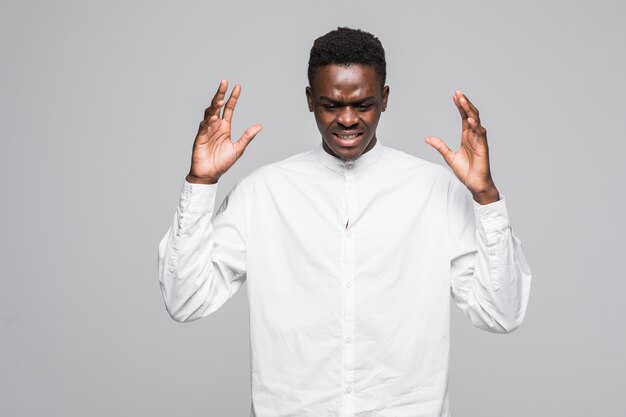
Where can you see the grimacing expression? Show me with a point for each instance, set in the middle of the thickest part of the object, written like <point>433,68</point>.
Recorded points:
<point>347,101</point>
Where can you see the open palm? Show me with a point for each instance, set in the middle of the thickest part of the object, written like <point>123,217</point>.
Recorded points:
<point>213,151</point>
<point>471,162</point>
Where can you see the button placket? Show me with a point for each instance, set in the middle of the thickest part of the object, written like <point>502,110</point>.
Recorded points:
<point>179,226</point>
<point>184,202</point>
<point>348,292</point>
<point>180,216</point>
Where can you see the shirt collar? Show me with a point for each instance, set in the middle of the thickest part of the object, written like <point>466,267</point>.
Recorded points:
<point>339,165</point>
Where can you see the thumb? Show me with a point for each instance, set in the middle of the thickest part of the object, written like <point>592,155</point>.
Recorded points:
<point>245,139</point>
<point>441,147</point>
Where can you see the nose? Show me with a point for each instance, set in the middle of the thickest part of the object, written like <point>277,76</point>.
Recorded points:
<point>347,117</point>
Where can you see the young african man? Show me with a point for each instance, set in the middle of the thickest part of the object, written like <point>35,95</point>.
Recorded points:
<point>351,251</point>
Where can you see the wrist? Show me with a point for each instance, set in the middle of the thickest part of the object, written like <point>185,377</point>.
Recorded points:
<point>487,196</point>
<point>199,180</point>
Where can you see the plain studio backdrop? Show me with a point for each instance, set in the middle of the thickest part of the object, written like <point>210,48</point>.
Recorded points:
<point>100,105</point>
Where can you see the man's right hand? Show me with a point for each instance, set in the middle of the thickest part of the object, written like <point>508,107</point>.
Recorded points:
<point>213,152</point>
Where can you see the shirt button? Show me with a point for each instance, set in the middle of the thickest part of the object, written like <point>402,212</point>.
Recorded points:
<point>348,339</point>
<point>348,390</point>
<point>348,166</point>
<point>349,284</point>
<point>492,251</point>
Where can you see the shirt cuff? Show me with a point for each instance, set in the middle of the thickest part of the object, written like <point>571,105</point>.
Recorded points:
<point>492,218</point>
<point>197,197</point>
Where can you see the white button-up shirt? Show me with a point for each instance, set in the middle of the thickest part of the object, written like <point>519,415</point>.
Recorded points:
<point>351,266</point>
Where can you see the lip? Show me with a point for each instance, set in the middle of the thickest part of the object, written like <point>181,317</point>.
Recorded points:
<point>347,142</point>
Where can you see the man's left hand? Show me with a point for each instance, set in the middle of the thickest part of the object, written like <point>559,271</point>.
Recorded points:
<point>470,163</point>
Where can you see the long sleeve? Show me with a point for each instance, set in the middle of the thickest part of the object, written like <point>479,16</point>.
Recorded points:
<point>202,260</point>
<point>490,277</point>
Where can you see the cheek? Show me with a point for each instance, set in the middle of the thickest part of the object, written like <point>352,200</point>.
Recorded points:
<point>372,119</point>
<point>323,120</point>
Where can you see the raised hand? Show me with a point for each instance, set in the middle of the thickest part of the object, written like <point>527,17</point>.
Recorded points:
<point>470,163</point>
<point>213,152</point>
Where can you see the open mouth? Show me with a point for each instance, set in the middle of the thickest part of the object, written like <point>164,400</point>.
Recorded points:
<point>347,139</point>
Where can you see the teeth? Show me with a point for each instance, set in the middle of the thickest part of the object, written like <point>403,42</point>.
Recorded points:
<point>348,137</point>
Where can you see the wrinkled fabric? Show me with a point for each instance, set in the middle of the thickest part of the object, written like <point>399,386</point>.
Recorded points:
<point>350,266</point>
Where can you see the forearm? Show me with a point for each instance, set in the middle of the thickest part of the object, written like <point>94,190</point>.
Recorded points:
<point>186,273</point>
<point>494,283</point>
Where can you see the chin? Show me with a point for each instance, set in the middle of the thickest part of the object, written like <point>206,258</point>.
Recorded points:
<point>347,152</point>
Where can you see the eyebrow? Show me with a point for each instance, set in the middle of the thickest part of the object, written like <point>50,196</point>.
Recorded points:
<point>330,100</point>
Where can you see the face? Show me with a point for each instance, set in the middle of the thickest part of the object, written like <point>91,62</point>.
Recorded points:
<point>347,102</point>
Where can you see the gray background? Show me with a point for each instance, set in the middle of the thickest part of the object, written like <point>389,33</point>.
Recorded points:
<point>100,102</point>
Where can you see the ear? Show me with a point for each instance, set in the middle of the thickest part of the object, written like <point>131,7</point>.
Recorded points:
<point>309,97</point>
<point>385,96</point>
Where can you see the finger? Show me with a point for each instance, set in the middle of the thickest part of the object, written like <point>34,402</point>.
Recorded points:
<point>245,139</point>
<point>441,147</point>
<point>213,109</point>
<point>470,104</point>
<point>464,124</point>
<point>218,100</point>
<point>467,106</point>
<point>206,124</point>
<point>231,103</point>
<point>478,129</point>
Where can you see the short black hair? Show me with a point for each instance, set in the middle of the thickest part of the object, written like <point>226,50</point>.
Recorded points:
<point>346,46</point>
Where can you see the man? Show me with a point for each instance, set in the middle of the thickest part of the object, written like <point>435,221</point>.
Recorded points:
<point>351,251</point>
